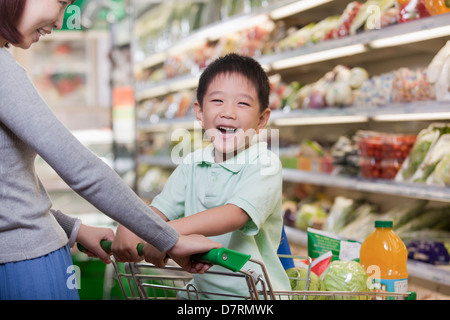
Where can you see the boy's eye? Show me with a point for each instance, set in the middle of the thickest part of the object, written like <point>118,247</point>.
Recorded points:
<point>245,104</point>
<point>217,101</point>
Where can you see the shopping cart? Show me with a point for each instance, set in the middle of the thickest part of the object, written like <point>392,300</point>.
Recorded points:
<point>145,281</point>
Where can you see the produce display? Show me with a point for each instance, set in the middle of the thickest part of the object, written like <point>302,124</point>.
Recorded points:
<point>273,36</point>
<point>353,219</point>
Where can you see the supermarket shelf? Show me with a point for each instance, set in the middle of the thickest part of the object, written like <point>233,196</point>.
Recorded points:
<point>421,110</point>
<point>388,187</point>
<point>323,51</point>
<point>389,36</point>
<point>148,91</point>
<point>425,271</point>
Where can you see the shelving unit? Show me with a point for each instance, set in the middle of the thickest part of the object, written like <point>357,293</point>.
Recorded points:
<point>378,51</point>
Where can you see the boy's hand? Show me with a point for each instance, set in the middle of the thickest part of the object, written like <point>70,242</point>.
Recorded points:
<point>188,245</point>
<point>125,244</point>
<point>90,238</point>
<point>153,255</point>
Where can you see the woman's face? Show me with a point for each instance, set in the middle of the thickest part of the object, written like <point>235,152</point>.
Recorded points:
<point>39,18</point>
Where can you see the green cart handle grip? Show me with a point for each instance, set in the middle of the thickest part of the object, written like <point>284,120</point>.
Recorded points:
<point>106,246</point>
<point>227,258</point>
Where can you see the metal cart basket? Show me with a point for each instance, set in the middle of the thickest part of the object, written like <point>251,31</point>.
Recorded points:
<point>142,281</point>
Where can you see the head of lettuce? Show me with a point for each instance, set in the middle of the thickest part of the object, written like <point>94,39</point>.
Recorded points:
<point>345,276</point>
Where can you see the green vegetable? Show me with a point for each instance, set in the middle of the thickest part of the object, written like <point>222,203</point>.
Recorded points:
<point>345,276</point>
<point>309,215</point>
<point>297,277</point>
<point>443,170</point>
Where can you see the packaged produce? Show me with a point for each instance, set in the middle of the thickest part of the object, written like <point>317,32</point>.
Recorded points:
<point>345,21</point>
<point>400,215</point>
<point>369,19</point>
<point>429,252</point>
<point>345,276</point>
<point>339,214</point>
<point>310,215</point>
<point>321,242</point>
<point>382,154</point>
<point>371,168</point>
<point>436,7</point>
<point>361,224</point>
<point>411,10</point>
<point>430,218</point>
<point>296,38</point>
<point>438,73</point>
<point>345,157</point>
<point>335,89</point>
<point>297,277</point>
<point>384,257</point>
<point>425,140</point>
<point>375,91</point>
<point>433,158</point>
<point>441,173</point>
<point>411,85</point>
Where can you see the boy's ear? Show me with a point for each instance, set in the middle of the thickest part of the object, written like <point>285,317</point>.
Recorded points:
<point>263,119</point>
<point>198,112</point>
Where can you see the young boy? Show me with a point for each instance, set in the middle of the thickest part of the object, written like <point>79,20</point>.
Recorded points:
<point>231,190</point>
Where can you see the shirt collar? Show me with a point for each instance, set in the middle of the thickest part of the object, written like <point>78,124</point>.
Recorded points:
<point>235,164</point>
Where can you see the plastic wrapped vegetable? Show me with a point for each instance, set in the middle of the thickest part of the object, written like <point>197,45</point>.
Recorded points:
<point>432,218</point>
<point>439,150</point>
<point>345,276</point>
<point>441,174</point>
<point>425,139</point>
<point>438,73</point>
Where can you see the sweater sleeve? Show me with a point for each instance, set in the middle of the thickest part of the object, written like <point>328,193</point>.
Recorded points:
<point>70,225</point>
<point>67,223</point>
<point>25,113</point>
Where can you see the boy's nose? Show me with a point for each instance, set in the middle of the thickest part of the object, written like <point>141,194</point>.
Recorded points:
<point>228,112</point>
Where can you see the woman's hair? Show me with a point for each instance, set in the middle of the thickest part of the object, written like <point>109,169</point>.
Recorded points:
<point>10,13</point>
<point>234,63</point>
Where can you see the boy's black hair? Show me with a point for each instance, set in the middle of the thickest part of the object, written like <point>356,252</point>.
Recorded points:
<point>234,63</point>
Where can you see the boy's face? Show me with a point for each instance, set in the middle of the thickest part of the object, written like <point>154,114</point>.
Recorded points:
<point>231,114</point>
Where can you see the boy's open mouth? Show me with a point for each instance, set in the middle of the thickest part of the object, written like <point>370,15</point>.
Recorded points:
<point>226,130</point>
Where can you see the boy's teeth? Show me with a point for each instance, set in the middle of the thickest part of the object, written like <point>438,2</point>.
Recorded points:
<point>227,129</point>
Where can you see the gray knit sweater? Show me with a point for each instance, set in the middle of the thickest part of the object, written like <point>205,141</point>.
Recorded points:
<point>28,227</point>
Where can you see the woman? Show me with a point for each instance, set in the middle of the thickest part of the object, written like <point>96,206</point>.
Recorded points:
<point>34,237</point>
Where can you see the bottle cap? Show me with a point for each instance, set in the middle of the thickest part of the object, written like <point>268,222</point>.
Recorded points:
<point>383,224</point>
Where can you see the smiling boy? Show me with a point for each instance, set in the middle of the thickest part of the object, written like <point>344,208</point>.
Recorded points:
<point>225,191</point>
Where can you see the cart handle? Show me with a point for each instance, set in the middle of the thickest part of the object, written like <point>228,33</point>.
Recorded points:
<point>106,246</point>
<point>227,258</point>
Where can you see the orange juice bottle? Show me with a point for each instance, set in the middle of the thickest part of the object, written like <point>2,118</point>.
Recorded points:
<point>383,255</point>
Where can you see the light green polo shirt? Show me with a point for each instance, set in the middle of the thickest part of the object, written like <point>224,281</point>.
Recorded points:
<point>251,180</point>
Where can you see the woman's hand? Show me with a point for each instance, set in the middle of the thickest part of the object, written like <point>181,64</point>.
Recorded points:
<point>90,238</point>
